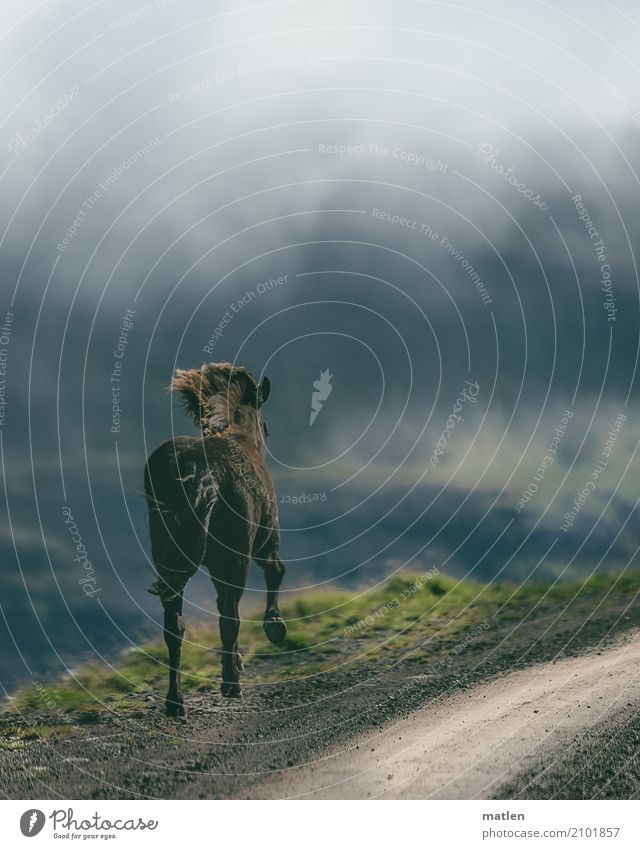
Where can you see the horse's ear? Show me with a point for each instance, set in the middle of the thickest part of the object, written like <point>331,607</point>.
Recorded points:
<point>264,390</point>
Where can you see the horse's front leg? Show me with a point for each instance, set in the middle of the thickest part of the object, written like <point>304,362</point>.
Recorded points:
<point>173,634</point>
<point>274,626</point>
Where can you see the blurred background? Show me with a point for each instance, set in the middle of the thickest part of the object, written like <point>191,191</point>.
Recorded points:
<point>436,203</point>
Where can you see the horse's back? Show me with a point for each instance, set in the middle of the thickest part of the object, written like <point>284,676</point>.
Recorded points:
<point>210,499</point>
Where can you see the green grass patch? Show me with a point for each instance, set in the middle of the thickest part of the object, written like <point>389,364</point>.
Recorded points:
<point>326,628</point>
<point>18,736</point>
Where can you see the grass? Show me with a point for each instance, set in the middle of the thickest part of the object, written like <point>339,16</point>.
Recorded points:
<point>326,628</point>
<point>18,736</point>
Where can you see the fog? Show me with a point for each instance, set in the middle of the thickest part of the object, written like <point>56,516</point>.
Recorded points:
<point>436,202</point>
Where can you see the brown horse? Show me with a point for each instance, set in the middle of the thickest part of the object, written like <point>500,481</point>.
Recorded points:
<point>212,501</point>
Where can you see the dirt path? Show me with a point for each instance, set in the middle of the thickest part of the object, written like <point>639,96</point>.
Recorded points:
<point>467,746</point>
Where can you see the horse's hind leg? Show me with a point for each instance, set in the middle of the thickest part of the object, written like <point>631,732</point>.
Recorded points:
<point>274,626</point>
<point>175,564</point>
<point>173,634</point>
<point>230,591</point>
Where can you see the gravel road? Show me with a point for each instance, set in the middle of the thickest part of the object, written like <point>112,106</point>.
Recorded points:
<point>467,746</point>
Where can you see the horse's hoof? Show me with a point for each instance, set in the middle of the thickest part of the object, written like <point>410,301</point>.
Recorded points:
<point>230,689</point>
<point>174,708</point>
<point>275,629</point>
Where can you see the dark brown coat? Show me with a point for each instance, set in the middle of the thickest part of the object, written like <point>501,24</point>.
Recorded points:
<point>212,502</point>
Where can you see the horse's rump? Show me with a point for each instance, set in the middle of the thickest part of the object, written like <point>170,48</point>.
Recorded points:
<point>181,499</point>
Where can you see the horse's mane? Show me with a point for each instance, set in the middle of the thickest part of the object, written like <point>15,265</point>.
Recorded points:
<point>208,393</point>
